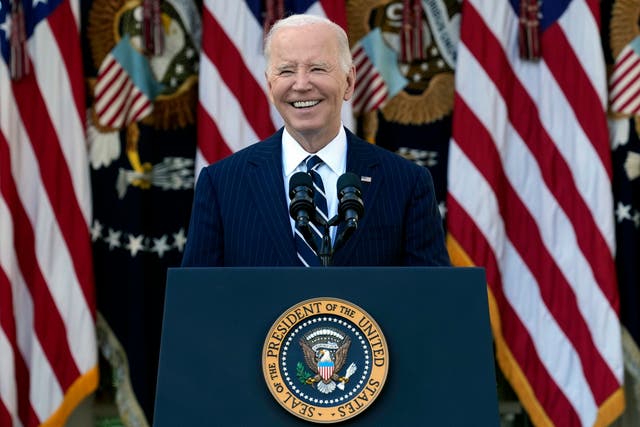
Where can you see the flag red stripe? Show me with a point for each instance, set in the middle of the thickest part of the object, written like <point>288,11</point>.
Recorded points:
<point>522,231</point>
<point>68,40</point>
<point>633,99</point>
<point>111,62</point>
<point>366,72</point>
<point>142,110</point>
<point>7,324</point>
<point>103,87</point>
<point>373,92</point>
<point>358,55</point>
<point>594,7</point>
<point>115,99</point>
<point>573,80</point>
<point>464,230</point>
<point>621,91</point>
<point>363,92</point>
<point>33,418</point>
<point>48,324</point>
<point>215,147</point>
<point>58,183</point>
<point>336,11</point>
<point>523,115</point>
<point>120,104</point>
<point>5,417</point>
<point>233,71</point>
<point>622,62</point>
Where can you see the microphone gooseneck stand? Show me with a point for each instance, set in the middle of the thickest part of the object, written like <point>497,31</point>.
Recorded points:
<point>350,210</point>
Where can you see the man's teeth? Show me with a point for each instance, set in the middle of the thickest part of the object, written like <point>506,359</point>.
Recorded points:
<point>303,104</point>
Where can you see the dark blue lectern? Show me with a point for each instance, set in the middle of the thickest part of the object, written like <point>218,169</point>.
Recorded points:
<point>435,320</point>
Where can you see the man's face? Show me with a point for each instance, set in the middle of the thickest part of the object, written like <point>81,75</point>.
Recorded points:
<point>307,84</point>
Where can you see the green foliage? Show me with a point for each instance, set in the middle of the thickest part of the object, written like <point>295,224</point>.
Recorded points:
<point>302,374</point>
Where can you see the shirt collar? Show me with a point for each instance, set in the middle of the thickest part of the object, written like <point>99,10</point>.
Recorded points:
<point>334,154</point>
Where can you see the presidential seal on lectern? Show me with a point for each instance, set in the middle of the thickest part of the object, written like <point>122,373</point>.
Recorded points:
<point>325,360</point>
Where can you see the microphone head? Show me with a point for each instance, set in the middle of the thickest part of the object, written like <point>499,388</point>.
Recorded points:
<point>348,179</point>
<point>299,179</point>
<point>349,195</point>
<point>301,195</point>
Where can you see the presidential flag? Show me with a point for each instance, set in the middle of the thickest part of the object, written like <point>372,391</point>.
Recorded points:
<point>142,134</point>
<point>47,308</point>
<point>626,192</point>
<point>529,199</point>
<point>621,52</point>
<point>234,110</point>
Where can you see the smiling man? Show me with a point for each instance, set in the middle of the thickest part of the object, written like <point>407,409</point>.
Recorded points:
<point>240,215</point>
<point>309,75</point>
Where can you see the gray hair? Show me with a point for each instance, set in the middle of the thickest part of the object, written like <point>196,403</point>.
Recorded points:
<point>344,53</point>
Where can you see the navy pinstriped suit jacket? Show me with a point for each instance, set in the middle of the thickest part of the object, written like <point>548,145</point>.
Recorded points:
<point>240,213</point>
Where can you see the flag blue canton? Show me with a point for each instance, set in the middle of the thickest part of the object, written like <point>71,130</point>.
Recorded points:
<point>551,11</point>
<point>34,12</point>
<point>292,6</point>
<point>626,191</point>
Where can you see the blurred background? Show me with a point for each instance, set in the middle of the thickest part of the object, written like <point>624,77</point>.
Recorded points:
<point>525,113</point>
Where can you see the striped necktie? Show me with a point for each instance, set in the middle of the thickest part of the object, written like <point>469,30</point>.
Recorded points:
<point>306,254</point>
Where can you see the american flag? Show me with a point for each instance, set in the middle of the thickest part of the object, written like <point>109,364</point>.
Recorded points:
<point>371,91</point>
<point>125,86</point>
<point>624,92</point>
<point>378,76</point>
<point>234,109</point>
<point>529,199</point>
<point>47,309</point>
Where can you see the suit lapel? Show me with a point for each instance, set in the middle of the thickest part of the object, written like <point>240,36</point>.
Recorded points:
<point>267,188</point>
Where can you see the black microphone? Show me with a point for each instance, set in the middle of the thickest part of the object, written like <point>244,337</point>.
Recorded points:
<point>350,206</point>
<point>302,207</point>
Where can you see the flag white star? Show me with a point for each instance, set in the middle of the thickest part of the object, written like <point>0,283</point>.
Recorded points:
<point>636,219</point>
<point>618,132</point>
<point>160,246</point>
<point>113,239</point>
<point>135,244</point>
<point>623,212</point>
<point>442,207</point>
<point>179,240</point>
<point>6,27</point>
<point>35,3</point>
<point>96,230</point>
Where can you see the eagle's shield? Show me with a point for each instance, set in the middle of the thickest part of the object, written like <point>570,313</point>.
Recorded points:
<point>325,369</point>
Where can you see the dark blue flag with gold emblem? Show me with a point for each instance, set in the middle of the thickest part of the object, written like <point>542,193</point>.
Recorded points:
<point>405,54</point>
<point>626,191</point>
<point>141,59</point>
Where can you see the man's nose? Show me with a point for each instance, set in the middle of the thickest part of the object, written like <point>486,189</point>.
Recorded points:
<point>302,81</point>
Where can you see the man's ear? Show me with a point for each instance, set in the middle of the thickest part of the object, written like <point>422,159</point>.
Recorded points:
<point>266,76</point>
<point>351,83</point>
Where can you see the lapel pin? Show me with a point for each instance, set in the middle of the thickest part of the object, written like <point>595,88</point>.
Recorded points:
<point>365,178</point>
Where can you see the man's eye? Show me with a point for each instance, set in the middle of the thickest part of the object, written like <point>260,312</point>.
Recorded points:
<point>285,72</point>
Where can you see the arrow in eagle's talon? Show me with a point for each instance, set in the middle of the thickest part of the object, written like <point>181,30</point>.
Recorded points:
<point>350,370</point>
